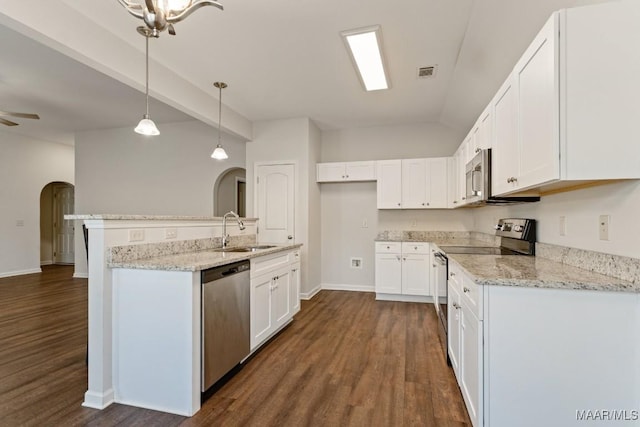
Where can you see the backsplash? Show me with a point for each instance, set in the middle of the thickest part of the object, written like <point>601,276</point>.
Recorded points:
<point>618,266</point>
<point>150,250</point>
<point>434,236</point>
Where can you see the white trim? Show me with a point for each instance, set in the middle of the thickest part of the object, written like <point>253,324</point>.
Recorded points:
<point>348,287</point>
<point>98,400</point>
<point>404,298</point>
<point>21,272</point>
<point>46,262</point>
<point>312,293</point>
<point>77,275</point>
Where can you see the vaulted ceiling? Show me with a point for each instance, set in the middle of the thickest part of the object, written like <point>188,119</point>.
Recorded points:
<point>281,59</point>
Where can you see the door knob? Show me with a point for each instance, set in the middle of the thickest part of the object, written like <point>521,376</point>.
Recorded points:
<point>290,237</point>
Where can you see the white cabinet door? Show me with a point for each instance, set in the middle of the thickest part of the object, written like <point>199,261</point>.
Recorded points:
<point>452,183</point>
<point>454,317</point>
<point>281,294</point>
<point>470,363</point>
<point>415,274</point>
<point>360,171</point>
<point>537,79</point>
<point>414,184</point>
<point>437,177</point>
<point>388,273</point>
<point>504,155</point>
<point>330,172</point>
<point>389,191</point>
<point>261,301</point>
<point>294,299</point>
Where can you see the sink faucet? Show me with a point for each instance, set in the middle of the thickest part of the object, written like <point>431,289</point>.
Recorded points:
<point>225,236</point>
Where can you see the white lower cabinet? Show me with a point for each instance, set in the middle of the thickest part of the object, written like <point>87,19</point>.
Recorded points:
<point>403,268</point>
<point>275,295</point>
<point>465,340</point>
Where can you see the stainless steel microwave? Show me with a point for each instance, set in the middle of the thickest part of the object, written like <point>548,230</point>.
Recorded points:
<point>478,187</point>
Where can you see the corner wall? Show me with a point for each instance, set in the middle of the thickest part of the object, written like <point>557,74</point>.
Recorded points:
<point>121,172</point>
<point>27,165</point>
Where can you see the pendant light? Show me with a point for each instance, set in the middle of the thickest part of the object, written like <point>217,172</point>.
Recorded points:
<point>219,153</point>
<point>146,125</point>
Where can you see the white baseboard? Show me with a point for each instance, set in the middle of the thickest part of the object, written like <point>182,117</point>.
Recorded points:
<point>347,287</point>
<point>47,262</point>
<point>404,298</point>
<point>80,276</point>
<point>21,272</point>
<point>97,400</point>
<point>312,293</point>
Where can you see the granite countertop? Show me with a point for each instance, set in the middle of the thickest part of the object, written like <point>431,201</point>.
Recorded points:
<point>536,272</point>
<point>196,261</point>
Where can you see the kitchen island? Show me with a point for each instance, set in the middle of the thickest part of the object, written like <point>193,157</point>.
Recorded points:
<point>145,307</point>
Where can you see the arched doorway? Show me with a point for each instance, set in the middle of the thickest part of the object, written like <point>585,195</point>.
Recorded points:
<point>56,233</point>
<point>229,192</point>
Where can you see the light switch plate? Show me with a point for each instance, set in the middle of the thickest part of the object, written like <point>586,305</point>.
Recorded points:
<point>136,235</point>
<point>171,233</point>
<point>563,226</point>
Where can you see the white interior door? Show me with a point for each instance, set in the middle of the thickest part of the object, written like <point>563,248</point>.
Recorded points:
<point>275,188</point>
<point>63,229</point>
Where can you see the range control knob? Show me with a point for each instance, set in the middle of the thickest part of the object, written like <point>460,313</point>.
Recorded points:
<point>497,227</point>
<point>518,228</point>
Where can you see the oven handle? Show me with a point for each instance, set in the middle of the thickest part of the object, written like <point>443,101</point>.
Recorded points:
<point>442,258</point>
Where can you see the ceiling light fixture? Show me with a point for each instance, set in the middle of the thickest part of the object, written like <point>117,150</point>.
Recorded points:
<point>160,15</point>
<point>365,48</point>
<point>219,153</point>
<point>146,125</point>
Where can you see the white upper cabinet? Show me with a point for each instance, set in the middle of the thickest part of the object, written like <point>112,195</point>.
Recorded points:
<point>389,173</point>
<point>558,122</point>
<point>481,132</point>
<point>346,171</point>
<point>412,184</point>
<point>453,196</point>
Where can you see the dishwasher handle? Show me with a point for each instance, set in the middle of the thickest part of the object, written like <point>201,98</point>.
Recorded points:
<point>227,270</point>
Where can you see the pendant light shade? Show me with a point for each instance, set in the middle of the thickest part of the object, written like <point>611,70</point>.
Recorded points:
<point>219,153</point>
<point>146,125</point>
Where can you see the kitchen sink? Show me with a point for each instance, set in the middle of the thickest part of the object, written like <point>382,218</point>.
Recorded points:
<point>252,248</point>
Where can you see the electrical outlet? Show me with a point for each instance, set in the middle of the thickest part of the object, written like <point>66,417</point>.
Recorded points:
<point>356,263</point>
<point>563,226</point>
<point>171,233</point>
<point>136,235</point>
<point>365,223</point>
<point>20,223</point>
<point>414,223</point>
<point>603,225</point>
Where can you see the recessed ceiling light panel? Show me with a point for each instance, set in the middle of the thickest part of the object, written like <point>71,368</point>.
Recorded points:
<point>365,48</point>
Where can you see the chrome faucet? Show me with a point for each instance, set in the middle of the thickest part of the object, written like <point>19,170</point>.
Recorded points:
<point>225,236</point>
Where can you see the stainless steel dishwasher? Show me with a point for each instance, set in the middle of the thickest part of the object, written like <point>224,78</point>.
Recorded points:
<point>226,335</point>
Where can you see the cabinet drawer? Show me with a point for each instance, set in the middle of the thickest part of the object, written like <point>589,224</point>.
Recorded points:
<point>415,248</point>
<point>267,263</point>
<point>471,296</point>
<point>388,247</point>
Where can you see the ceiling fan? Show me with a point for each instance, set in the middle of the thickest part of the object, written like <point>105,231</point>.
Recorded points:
<point>20,115</point>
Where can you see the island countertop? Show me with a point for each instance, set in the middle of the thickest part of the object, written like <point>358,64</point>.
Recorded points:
<point>196,261</point>
<point>532,271</point>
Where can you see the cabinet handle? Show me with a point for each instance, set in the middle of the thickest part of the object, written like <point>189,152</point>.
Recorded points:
<point>398,257</point>
<point>347,176</point>
<point>478,150</point>
<point>452,274</point>
<point>427,204</point>
<point>415,248</point>
<point>399,204</point>
<point>404,259</point>
<point>455,201</point>
<point>343,176</point>
<point>464,198</point>
<point>388,247</point>
<point>465,290</point>
<point>456,306</point>
<point>433,265</point>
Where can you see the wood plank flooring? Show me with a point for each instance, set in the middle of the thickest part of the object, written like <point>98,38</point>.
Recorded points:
<point>347,360</point>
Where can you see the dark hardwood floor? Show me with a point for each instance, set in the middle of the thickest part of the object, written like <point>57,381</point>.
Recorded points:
<point>347,360</point>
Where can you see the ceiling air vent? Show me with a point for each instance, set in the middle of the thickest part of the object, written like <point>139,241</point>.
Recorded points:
<point>427,72</point>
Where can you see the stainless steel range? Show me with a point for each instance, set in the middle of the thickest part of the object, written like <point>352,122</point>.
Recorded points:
<point>518,237</point>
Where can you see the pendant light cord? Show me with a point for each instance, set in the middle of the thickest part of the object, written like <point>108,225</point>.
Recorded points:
<point>220,115</point>
<point>147,75</point>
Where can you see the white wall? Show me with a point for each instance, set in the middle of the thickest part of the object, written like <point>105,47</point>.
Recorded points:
<point>581,208</point>
<point>346,206</point>
<point>225,199</point>
<point>121,172</point>
<point>26,167</point>
<point>294,140</point>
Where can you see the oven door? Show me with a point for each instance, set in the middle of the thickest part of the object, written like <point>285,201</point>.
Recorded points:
<point>440,292</point>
